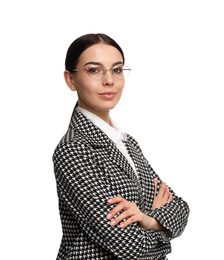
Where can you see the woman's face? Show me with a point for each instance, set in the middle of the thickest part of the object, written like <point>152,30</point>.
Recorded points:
<point>98,95</point>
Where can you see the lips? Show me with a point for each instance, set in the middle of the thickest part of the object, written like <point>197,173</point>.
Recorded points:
<point>108,95</point>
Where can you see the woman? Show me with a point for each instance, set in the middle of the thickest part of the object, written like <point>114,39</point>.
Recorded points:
<point>112,204</point>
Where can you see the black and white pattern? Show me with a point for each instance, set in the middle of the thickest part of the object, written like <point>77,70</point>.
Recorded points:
<point>89,170</point>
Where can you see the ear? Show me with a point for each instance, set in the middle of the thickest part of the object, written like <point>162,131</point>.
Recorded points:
<point>69,79</point>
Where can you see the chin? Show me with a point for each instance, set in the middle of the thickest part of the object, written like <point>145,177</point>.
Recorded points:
<point>109,106</point>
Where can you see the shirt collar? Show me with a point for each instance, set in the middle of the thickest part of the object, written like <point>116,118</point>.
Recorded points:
<point>113,132</point>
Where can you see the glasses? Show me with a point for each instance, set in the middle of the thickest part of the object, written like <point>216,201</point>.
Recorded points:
<point>98,71</point>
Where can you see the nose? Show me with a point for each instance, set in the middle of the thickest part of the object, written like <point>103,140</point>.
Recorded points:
<point>108,78</point>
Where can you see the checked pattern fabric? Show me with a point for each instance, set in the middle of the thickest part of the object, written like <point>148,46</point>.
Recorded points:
<point>89,170</point>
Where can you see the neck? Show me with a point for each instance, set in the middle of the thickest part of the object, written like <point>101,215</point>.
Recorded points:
<point>103,114</point>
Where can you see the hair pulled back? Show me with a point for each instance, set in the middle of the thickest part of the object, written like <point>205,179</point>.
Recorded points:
<point>84,42</point>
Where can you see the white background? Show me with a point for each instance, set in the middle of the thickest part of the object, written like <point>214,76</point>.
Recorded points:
<point>172,104</point>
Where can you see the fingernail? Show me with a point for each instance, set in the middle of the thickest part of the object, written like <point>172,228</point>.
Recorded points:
<point>121,225</point>
<point>155,179</point>
<point>110,200</point>
<point>112,223</point>
<point>109,216</point>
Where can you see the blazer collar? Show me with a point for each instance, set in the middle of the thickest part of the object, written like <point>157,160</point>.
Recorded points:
<point>94,135</point>
<point>98,139</point>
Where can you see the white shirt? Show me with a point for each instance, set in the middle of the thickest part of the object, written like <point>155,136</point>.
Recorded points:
<point>113,132</point>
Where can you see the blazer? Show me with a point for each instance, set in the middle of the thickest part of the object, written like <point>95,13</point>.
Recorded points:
<point>89,170</point>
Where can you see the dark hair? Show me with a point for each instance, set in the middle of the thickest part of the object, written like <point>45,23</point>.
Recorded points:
<point>84,42</point>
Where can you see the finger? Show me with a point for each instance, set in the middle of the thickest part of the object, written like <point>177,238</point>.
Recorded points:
<point>166,195</point>
<point>162,190</point>
<point>115,200</point>
<point>156,183</point>
<point>123,205</point>
<point>170,197</point>
<point>132,210</point>
<point>128,222</point>
<point>121,217</point>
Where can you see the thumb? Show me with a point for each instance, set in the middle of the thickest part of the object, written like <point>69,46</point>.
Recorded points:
<point>156,183</point>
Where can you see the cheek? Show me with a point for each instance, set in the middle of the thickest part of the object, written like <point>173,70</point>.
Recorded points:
<point>121,85</point>
<point>86,85</point>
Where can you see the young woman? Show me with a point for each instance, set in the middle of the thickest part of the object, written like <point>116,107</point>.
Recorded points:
<point>112,204</point>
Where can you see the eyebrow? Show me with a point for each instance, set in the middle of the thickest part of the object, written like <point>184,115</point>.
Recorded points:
<point>98,63</point>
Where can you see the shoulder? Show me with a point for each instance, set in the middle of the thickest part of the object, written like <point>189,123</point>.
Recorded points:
<point>72,145</point>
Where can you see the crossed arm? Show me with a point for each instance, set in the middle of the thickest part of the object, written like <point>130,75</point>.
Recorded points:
<point>132,213</point>
<point>87,200</point>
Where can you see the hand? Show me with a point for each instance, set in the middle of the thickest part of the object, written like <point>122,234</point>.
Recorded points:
<point>163,197</point>
<point>131,212</point>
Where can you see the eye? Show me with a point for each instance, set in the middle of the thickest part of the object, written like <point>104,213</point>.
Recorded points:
<point>94,70</point>
<point>118,70</point>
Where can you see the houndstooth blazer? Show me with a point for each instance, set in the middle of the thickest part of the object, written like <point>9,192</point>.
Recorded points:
<point>89,170</point>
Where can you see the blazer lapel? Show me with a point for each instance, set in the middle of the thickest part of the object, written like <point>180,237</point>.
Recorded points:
<point>121,161</point>
<point>104,147</point>
<point>137,161</point>
<point>88,130</point>
<point>132,152</point>
<point>106,154</point>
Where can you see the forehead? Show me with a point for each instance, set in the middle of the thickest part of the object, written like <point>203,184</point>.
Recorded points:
<point>102,53</point>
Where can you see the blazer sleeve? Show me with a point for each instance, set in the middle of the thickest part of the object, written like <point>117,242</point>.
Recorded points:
<point>173,215</point>
<point>86,195</point>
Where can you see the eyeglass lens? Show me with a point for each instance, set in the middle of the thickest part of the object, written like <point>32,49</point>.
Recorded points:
<point>98,72</point>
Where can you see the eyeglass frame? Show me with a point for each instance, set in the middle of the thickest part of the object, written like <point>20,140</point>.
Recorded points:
<point>99,64</point>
